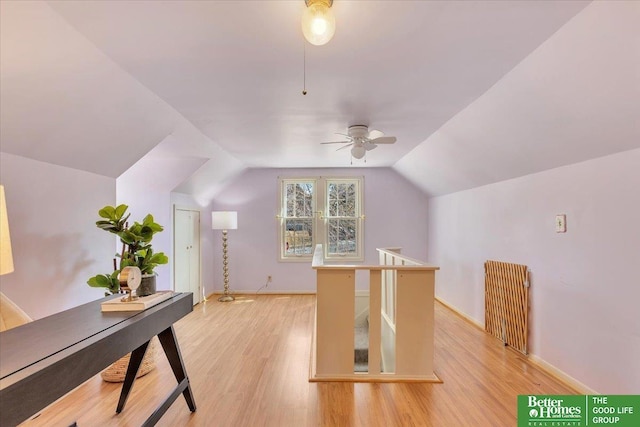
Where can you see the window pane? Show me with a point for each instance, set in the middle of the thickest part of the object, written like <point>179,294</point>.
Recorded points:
<point>342,236</point>
<point>339,199</point>
<point>299,200</point>
<point>304,200</point>
<point>342,200</point>
<point>333,207</point>
<point>350,200</point>
<point>307,204</point>
<point>298,237</point>
<point>290,199</point>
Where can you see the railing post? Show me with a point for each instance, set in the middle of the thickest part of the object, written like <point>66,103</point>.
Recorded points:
<point>335,307</point>
<point>375,295</point>
<point>414,323</point>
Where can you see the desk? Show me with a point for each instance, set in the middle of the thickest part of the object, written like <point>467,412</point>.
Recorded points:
<point>45,359</point>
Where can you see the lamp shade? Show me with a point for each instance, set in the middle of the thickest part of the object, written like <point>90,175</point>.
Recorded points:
<point>6,258</point>
<point>224,220</point>
<point>318,22</point>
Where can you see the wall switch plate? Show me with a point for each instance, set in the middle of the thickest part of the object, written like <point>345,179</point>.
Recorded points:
<point>561,223</point>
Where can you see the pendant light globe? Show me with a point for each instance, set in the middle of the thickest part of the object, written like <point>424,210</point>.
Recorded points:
<point>318,22</point>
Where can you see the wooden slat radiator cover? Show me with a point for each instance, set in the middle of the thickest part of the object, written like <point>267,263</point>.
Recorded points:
<point>506,302</point>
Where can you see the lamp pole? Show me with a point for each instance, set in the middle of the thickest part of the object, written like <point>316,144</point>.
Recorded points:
<point>225,221</point>
<point>226,297</point>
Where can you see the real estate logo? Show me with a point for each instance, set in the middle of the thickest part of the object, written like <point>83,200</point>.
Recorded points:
<point>554,410</point>
<point>578,411</point>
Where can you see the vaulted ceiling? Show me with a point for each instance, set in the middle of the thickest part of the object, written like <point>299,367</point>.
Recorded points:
<point>475,91</point>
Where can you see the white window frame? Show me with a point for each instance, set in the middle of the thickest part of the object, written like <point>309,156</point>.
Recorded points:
<point>320,223</point>
<point>282,218</point>
<point>357,218</point>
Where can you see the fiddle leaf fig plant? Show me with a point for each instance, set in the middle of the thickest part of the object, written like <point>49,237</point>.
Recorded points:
<point>136,245</point>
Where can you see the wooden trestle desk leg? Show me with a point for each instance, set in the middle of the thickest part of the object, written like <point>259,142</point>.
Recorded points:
<point>134,364</point>
<point>172,350</point>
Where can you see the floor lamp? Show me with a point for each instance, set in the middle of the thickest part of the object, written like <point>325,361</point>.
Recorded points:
<point>225,221</point>
<point>6,259</point>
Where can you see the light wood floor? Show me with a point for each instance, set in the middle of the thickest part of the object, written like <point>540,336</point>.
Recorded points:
<point>248,363</point>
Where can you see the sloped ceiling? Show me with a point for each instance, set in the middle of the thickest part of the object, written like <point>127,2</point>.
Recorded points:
<point>576,97</point>
<point>209,88</point>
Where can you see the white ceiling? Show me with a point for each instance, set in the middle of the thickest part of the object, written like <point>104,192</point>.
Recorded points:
<point>216,86</point>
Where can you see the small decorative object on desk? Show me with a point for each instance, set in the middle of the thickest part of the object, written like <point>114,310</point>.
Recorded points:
<point>130,278</point>
<point>141,303</point>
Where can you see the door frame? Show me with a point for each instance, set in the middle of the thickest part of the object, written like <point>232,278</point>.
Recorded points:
<point>199,295</point>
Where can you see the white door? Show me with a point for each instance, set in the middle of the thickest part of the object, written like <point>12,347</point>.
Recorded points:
<point>186,252</point>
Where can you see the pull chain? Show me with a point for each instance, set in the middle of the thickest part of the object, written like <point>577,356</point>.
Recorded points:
<point>304,67</point>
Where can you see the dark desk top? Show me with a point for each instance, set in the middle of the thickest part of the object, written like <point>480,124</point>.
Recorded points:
<point>29,343</point>
<point>35,341</point>
<point>44,359</point>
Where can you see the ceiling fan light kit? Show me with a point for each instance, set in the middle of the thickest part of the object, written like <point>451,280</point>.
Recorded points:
<point>318,22</point>
<point>361,140</point>
<point>358,151</point>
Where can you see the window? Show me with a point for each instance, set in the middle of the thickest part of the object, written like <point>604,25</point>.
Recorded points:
<point>299,215</point>
<point>321,210</point>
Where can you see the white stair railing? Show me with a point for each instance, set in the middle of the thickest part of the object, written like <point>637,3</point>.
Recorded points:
<point>401,291</point>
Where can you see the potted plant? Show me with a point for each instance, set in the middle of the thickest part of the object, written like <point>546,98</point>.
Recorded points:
<point>136,249</point>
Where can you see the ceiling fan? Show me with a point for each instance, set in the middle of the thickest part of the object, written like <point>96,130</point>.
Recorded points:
<point>361,140</point>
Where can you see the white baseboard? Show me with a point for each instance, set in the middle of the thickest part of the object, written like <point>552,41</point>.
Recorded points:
<point>536,360</point>
<point>460,313</point>
<point>560,375</point>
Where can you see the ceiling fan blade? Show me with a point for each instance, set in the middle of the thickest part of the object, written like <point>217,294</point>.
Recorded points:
<point>336,142</point>
<point>343,134</point>
<point>370,146</point>
<point>373,134</point>
<point>346,146</point>
<point>384,140</point>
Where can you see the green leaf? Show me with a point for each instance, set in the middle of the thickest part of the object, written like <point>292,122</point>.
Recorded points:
<point>107,212</point>
<point>120,210</point>
<point>123,221</point>
<point>147,220</point>
<point>159,258</point>
<point>99,281</point>
<point>105,225</point>
<point>146,233</point>
<point>156,227</point>
<point>127,237</point>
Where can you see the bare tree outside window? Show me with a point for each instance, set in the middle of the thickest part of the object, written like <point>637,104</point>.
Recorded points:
<point>299,217</point>
<point>342,218</point>
<point>321,210</point>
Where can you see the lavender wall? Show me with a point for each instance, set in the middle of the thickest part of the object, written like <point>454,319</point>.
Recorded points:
<point>52,212</point>
<point>395,216</point>
<point>585,286</point>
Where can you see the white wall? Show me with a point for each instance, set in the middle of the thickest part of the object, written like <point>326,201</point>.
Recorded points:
<point>56,245</point>
<point>585,290</point>
<point>395,216</point>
